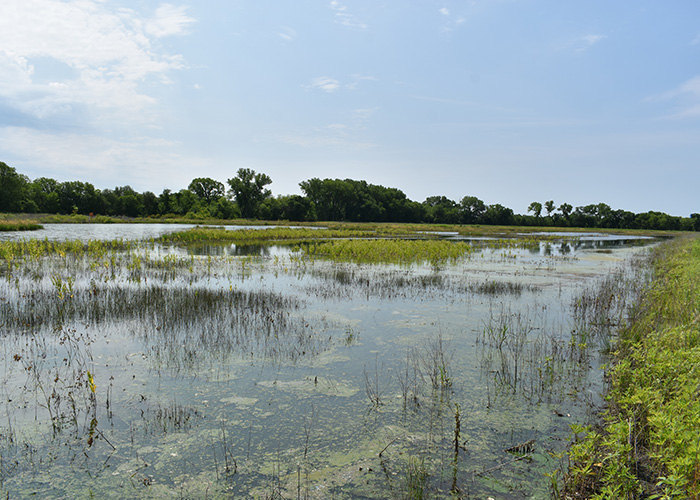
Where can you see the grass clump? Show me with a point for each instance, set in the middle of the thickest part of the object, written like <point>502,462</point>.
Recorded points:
<point>19,226</point>
<point>268,235</point>
<point>394,251</point>
<point>649,444</point>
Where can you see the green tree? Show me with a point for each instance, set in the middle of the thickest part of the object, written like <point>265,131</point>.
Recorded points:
<point>536,208</point>
<point>498,215</point>
<point>80,197</point>
<point>150,203</point>
<point>13,189</point>
<point>293,208</point>
<point>472,209</point>
<point>44,192</point>
<point>566,210</point>
<point>441,210</point>
<point>248,189</point>
<point>223,208</point>
<point>696,221</point>
<point>166,202</point>
<point>208,190</point>
<point>549,206</point>
<point>185,202</point>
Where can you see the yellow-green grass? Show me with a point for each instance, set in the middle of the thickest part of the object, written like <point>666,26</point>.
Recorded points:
<point>269,235</point>
<point>19,226</point>
<point>650,441</point>
<point>390,251</point>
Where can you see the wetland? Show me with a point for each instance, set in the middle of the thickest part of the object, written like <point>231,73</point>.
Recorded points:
<point>299,363</point>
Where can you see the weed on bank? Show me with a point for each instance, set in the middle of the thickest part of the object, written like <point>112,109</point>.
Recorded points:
<point>649,445</point>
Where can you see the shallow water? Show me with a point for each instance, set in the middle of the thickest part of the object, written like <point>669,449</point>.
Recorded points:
<point>225,372</point>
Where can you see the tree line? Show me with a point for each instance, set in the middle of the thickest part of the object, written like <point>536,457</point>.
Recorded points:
<point>246,196</point>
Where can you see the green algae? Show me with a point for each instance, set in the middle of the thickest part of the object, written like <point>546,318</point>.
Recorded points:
<point>310,386</point>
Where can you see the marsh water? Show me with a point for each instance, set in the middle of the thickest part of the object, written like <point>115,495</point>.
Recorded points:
<point>225,371</point>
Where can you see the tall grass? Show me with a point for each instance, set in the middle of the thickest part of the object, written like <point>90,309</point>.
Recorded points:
<point>19,226</point>
<point>276,234</point>
<point>649,445</point>
<point>394,251</point>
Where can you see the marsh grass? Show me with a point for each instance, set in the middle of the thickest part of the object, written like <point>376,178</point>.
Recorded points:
<point>390,251</point>
<point>267,235</point>
<point>494,287</point>
<point>648,444</point>
<point>19,226</point>
<point>523,354</point>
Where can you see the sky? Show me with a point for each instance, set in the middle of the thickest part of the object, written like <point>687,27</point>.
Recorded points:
<point>511,101</point>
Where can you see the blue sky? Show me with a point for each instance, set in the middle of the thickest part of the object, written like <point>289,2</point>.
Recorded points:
<point>512,101</point>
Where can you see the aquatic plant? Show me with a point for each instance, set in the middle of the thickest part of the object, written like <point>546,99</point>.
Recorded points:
<point>394,251</point>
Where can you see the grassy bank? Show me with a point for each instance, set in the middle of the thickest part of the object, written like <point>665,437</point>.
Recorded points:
<point>19,226</point>
<point>649,443</point>
<point>379,228</point>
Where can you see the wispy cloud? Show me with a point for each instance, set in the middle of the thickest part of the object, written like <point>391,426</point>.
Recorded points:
<point>325,83</point>
<point>169,20</point>
<point>328,84</point>
<point>361,117</point>
<point>356,79</point>
<point>345,18</point>
<point>333,135</point>
<point>287,33</point>
<point>109,51</point>
<point>686,96</point>
<point>451,23</point>
<point>97,159</point>
<point>587,41</point>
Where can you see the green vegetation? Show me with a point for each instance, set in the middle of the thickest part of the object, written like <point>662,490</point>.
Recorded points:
<point>649,444</point>
<point>346,200</point>
<point>390,251</point>
<point>18,226</point>
<point>270,235</point>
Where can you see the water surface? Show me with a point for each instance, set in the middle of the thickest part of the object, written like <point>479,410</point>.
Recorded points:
<point>239,372</point>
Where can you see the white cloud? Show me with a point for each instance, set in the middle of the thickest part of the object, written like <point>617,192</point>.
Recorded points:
<point>687,96</point>
<point>343,17</point>
<point>363,114</point>
<point>445,11</point>
<point>108,50</point>
<point>325,83</point>
<point>287,33</point>
<point>169,20</point>
<point>588,41</point>
<point>356,79</point>
<point>329,84</point>
<point>97,159</point>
